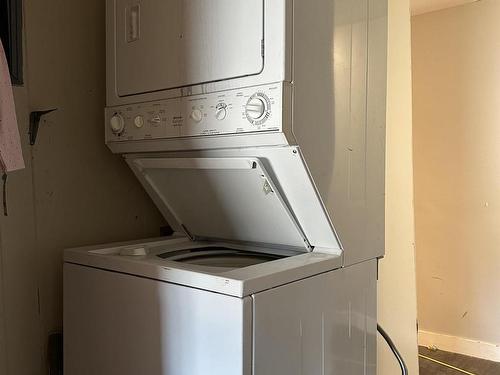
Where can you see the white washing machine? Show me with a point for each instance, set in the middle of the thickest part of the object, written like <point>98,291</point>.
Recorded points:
<point>258,129</point>
<point>265,300</point>
<point>181,308</point>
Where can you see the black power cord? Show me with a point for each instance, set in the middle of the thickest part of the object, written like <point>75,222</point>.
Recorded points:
<point>397,354</point>
<point>4,193</point>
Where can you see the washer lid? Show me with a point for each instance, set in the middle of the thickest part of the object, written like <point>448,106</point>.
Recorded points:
<point>232,199</point>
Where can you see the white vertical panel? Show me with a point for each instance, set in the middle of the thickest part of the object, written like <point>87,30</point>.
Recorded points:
<point>321,325</point>
<point>117,324</point>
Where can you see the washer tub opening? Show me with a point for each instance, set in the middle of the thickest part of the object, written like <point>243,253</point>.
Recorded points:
<point>216,256</point>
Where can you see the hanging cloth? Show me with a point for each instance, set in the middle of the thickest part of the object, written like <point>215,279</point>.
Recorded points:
<point>10,145</point>
<point>11,157</point>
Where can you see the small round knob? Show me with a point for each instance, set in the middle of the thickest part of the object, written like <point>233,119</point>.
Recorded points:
<point>139,122</point>
<point>196,115</point>
<point>155,120</point>
<point>255,108</point>
<point>117,124</point>
<point>221,112</point>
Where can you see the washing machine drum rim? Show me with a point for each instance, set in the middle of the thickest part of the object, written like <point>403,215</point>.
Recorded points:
<point>217,256</point>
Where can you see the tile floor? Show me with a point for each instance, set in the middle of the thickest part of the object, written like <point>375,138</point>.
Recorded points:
<point>472,365</point>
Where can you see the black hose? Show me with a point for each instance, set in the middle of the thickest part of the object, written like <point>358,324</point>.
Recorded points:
<point>397,354</point>
<point>4,194</point>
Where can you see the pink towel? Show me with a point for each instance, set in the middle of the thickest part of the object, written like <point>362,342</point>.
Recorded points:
<point>11,156</point>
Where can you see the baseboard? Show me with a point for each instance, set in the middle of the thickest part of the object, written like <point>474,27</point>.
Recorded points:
<point>460,345</point>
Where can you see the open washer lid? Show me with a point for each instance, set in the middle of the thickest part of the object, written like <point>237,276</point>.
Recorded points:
<point>231,199</point>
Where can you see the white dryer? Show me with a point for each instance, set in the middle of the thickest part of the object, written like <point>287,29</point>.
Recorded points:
<point>258,129</point>
<point>198,75</point>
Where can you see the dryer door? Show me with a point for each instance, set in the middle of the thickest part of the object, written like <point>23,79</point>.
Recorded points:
<point>161,45</point>
<point>231,199</point>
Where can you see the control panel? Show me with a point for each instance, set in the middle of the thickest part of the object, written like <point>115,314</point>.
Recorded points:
<point>248,110</point>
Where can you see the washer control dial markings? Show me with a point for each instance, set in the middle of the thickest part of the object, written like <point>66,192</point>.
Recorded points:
<point>258,108</point>
<point>246,110</point>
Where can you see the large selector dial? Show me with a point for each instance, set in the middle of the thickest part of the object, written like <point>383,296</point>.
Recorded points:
<point>258,108</point>
<point>117,124</point>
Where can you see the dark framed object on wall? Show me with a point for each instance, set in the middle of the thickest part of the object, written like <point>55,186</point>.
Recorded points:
<point>11,21</point>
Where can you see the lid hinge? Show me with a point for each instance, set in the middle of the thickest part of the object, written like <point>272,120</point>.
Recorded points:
<point>308,244</point>
<point>188,233</point>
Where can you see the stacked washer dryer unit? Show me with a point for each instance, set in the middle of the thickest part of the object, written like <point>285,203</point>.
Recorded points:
<point>258,129</point>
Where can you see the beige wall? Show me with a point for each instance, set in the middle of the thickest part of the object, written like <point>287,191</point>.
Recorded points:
<point>456,62</point>
<point>18,261</point>
<point>425,6</point>
<point>73,191</point>
<point>397,295</point>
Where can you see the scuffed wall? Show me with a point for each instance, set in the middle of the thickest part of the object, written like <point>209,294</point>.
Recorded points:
<point>74,191</point>
<point>456,55</point>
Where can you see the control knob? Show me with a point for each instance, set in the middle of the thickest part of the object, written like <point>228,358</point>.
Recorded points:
<point>155,120</point>
<point>221,111</point>
<point>197,115</point>
<point>139,121</point>
<point>257,109</point>
<point>117,124</point>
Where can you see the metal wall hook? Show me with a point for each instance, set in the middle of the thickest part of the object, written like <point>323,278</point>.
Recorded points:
<point>35,118</point>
